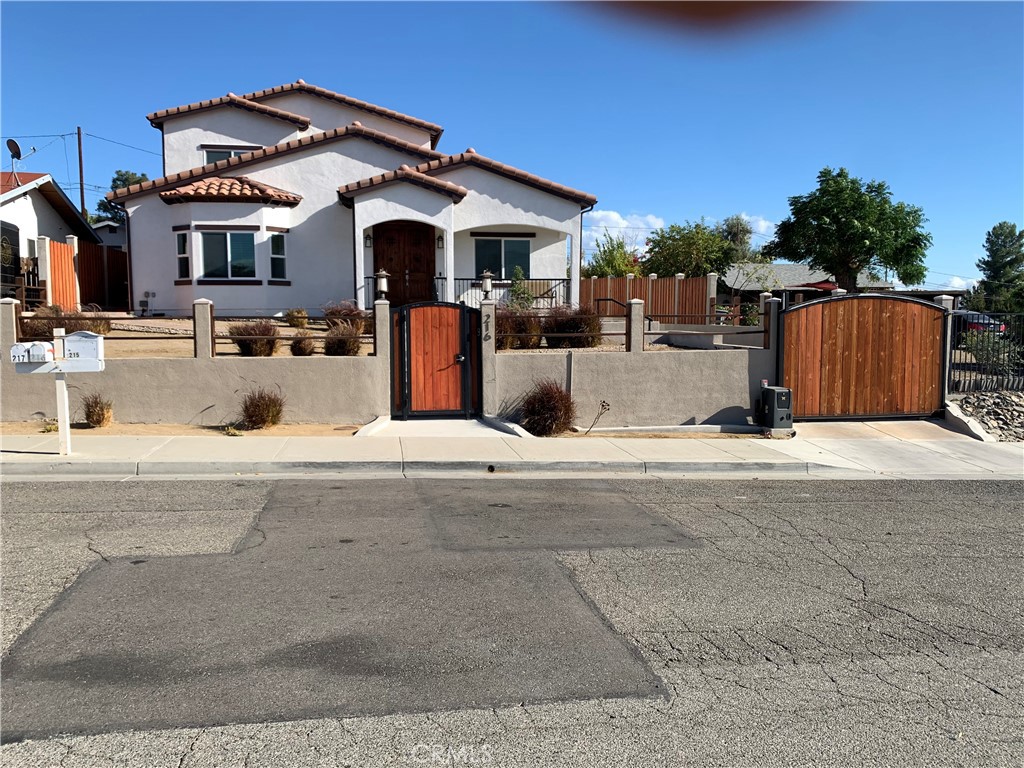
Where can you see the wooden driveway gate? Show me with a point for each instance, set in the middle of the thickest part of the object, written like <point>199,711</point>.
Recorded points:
<point>435,368</point>
<point>863,355</point>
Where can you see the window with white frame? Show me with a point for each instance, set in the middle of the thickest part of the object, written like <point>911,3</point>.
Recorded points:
<point>229,255</point>
<point>184,268</point>
<point>502,256</point>
<point>278,268</point>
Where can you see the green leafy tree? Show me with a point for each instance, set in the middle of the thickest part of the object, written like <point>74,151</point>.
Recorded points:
<point>974,299</point>
<point>520,297</point>
<point>1002,268</point>
<point>845,227</point>
<point>613,257</point>
<point>738,232</point>
<point>693,248</point>
<point>106,209</point>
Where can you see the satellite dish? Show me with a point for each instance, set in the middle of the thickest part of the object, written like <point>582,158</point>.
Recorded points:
<point>12,145</point>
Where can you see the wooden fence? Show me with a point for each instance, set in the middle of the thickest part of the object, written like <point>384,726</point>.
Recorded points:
<point>676,299</point>
<point>62,285</point>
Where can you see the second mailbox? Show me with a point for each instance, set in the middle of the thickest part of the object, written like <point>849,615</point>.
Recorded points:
<point>83,345</point>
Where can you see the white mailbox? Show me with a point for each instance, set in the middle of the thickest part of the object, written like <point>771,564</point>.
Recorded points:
<point>32,352</point>
<point>83,345</point>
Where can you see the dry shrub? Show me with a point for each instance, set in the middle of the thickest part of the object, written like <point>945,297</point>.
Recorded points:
<point>339,313</point>
<point>547,409</point>
<point>302,345</point>
<point>99,412</point>
<point>524,328</point>
<point>342,341</point>
<point>581,321</point>
<point>263,346</point>
<point>262,408</point>
<point>49,317</point>
<point>296,318</point>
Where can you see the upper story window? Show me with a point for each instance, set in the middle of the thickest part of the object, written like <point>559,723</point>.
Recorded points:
<point>229,254</point>
<point>502,256</point>
<point>216,153</point>
<point>278,270</point>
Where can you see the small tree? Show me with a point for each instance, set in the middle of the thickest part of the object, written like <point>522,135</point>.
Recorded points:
<point>520,297</point>
<point>613,257</point>
<point>108,210</point>
<point>693,249</point>
<point>737,231</point>
<point>845,227</point>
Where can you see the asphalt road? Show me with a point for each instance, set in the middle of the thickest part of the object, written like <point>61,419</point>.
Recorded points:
<point>513,622</point>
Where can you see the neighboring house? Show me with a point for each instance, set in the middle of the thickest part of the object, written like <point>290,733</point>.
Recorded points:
<point>295,196</point>
<point>793,283</point>
<point>111,233</point>
<point>32,205</point>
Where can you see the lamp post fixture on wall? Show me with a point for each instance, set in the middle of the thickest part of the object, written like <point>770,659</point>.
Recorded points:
<point>368,241</point>
<point>485,283</point>
<point>382,284</point>
<point>440,242</point>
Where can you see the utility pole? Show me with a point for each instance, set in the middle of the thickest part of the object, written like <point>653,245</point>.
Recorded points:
<point>81,175</point>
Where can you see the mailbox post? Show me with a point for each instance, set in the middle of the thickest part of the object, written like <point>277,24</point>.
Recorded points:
<point>80,352</point>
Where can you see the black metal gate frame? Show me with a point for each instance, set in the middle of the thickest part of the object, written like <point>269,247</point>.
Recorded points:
<point>469,351</point>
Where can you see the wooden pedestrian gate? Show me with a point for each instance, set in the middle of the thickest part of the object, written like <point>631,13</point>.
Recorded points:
<point>863,355</point>
<point>435,360</point>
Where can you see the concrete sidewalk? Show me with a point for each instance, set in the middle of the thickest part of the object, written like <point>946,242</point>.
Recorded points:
<point>919,449</point>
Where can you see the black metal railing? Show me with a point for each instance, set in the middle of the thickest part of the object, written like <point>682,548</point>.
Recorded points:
<point>986,351</point>
<point>539,293</point>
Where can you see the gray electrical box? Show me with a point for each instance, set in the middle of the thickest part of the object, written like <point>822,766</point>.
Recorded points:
<point>775,409</point>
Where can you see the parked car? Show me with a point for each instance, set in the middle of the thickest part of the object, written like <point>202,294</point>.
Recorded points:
<point>965,320</point>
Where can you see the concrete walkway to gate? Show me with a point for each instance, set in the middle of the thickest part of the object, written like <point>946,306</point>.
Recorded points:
<point>920,449</point>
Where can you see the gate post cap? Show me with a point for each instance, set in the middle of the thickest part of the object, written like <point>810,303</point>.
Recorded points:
<point>9,301</point>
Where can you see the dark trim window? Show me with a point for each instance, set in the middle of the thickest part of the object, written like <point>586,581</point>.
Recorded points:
<point>502,257</point>
<point>215,155</point>
<point>229,255</point>
<point>278,270</point>
<point>184,268</point>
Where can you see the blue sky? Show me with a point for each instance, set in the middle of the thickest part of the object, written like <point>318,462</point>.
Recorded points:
<point>663,122</point>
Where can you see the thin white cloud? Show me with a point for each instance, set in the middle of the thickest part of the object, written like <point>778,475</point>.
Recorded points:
<point>960,283</point>
<point>633,227</point>
<point>760,225</point>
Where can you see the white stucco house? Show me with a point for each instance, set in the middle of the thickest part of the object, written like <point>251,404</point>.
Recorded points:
<point>295,196</point>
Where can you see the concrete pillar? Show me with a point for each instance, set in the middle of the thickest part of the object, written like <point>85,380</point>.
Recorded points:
<point>771,331</point>
<point>839,292</point>
<point>8,324</point>
<point>488,357</point>
<point>575,268</point>
<point>675,304</point>
<point>946,302</point>
<point>72,240</point>
<point>43,257</point>
<point>202,329</point>
<point>762,305</point>
<point>382,331</point>
<point>712,302</point>
<point>635,326</point>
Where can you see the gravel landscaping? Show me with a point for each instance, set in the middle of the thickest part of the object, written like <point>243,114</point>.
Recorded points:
<point>1000,413</point>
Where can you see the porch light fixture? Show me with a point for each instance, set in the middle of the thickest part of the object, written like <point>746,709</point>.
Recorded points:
<point>440,242</point>
<point>382,284</point>
<point>368,241</point>
<point>485,283</point>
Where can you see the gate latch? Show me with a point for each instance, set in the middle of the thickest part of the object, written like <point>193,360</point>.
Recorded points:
<point>460,358</point>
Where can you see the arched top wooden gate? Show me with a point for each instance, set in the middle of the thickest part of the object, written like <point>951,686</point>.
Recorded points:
<point>863,355</point>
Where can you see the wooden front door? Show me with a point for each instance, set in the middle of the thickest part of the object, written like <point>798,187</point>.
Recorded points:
<point>405,250</point>
<point>436,369</point>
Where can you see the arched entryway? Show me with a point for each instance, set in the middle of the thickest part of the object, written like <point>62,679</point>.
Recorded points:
<point>406,251</point>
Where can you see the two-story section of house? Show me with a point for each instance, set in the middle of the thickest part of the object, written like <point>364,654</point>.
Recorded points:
<point>295,196</point>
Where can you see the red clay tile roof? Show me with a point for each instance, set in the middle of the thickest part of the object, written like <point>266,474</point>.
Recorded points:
<point>406,174</point>
<point>301,86</point>
<point>470,157</point>
<point>296,145</point>
<point>230,100</point>
<point>7,180</point>
<point>233,189</point>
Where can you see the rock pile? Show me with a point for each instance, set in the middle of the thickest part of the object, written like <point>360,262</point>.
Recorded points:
<point>1001,414</point>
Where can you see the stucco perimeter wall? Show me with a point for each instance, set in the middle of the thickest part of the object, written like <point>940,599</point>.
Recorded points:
<point>331,390</point>
<point>645,389</point>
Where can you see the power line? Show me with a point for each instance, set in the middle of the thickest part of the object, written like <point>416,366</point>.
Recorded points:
<point>122,144</point>
<point>42,136</point>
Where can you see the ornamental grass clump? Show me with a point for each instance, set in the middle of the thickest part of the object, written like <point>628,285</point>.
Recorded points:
<point>263,339</point>
<point>99,412</point>
<point>302,345</point>
<point>46,318</point>
<point>516,329</point>
<point>582,323</point>
<point>296,318</point>
<point>342,341</point>
<point>339,313</point>
<point>261,408</point>
<point>547,409</point>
